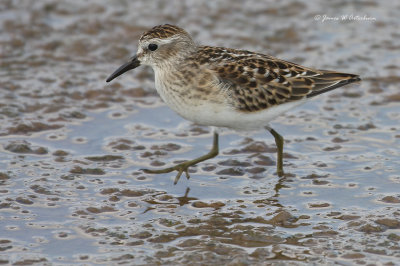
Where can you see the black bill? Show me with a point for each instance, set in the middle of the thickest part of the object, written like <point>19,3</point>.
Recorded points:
<point>134,63</point>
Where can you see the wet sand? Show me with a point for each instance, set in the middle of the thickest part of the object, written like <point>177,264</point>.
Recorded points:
<point>72,146</point>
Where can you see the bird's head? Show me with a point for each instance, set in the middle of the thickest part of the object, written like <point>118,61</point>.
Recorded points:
<point>159,47</point>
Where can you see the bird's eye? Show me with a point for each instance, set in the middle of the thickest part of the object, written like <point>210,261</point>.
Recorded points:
<point>152,46</point>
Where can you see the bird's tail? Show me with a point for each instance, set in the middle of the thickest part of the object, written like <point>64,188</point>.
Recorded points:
<point>329,80</point>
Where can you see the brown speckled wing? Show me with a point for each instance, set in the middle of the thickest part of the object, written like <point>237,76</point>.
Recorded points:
<point>256,81</point>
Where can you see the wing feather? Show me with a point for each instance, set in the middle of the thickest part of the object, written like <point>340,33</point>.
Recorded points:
<point>256,81</point>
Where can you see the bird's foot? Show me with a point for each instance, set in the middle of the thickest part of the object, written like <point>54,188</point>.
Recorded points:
<point>182,167</point>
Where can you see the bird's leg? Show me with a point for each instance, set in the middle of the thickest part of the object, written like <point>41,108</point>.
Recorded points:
<point>279,146</point>
<point>183,167</point>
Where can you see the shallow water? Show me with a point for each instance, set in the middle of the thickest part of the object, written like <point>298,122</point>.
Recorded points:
<point>72,146</point>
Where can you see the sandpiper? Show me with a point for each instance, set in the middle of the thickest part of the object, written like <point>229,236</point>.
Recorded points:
<point>223,87</point>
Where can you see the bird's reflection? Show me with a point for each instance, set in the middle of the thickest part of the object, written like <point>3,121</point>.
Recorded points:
<point>183,200</point>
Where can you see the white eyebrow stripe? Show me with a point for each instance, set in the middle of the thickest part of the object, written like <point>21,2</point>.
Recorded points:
<point>161,41</point>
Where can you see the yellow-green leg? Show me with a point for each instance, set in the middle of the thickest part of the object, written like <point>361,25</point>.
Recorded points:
<point>183,167</point>
<point>279,146</point>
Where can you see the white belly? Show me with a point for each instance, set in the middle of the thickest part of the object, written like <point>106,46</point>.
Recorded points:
<point>228,117</point>
<point>221,114</point>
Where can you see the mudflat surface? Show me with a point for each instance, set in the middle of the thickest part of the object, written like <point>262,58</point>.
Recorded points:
<point>72,146</point>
